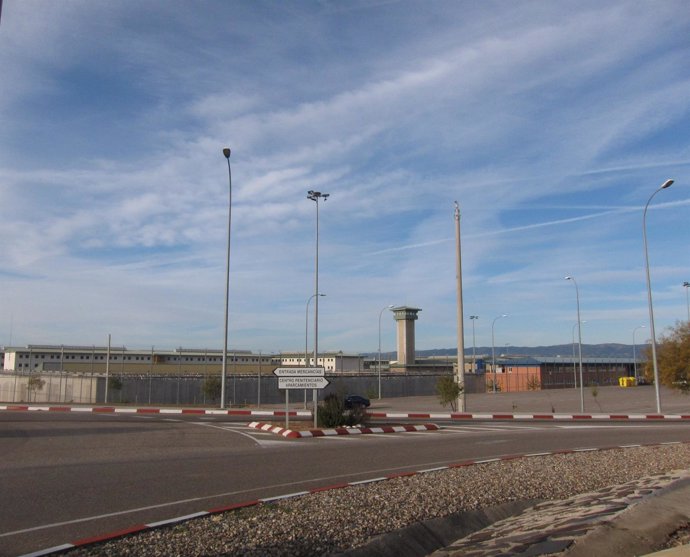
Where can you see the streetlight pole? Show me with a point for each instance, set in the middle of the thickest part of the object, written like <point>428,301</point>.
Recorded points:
<point>634,348</point>
<point>306,339</point>
<point>686,284</point>
<point>226,153</point>
<point>579,342</point>
<point>663,186</point>
<point>493,348</point>
<point>460,320</point>
<point>379,366</point>
<point>473,318</point>
<point>574,365</point>
<point>315,196</point>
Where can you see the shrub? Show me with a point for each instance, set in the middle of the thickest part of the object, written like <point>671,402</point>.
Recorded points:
<point>332,413</point>
<point>211,388</point>
<point>448,391</point>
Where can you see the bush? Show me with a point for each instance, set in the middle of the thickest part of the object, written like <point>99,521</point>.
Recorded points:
<point>211,387</point>
<point>332,413</point>
<point>448,391</point>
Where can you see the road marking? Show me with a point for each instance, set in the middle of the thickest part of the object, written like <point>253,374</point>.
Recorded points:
<point>260,442</point>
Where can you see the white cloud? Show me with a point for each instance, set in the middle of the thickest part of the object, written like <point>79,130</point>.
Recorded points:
<point>550,134</point>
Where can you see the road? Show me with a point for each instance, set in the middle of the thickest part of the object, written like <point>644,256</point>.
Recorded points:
<point>64,477</point>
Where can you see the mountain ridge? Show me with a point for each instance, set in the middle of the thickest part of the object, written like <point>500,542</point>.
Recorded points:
<point>606,350</point>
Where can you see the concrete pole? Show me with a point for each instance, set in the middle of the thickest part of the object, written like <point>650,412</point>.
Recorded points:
<point>461,332</point>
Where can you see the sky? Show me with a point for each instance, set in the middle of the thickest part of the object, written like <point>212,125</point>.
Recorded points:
<point>552,124</point>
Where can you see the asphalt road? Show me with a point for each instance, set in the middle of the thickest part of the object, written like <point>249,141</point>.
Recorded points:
<point>69,476</point>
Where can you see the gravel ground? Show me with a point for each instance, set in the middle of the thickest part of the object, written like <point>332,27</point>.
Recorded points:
<point>318,524</point>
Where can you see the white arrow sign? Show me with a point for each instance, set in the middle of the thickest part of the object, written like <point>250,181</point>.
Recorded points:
<point>302,382</point>
<point>299,372</point>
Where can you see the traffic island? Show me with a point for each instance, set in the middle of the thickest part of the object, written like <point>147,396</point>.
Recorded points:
<point>292,434</point>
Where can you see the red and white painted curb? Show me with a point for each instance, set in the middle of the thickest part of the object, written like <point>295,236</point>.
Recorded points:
<point>177,520</point>
<point>341,430</point>
<point>455,416</point>
<point>145,410</point>
<point>500,416</point>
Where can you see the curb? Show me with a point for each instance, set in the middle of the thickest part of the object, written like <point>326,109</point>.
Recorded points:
<point>124,410</point>
<point>458,416</point>
<point>340,430</point>
<point>177,520</point>
<point>500,416</point>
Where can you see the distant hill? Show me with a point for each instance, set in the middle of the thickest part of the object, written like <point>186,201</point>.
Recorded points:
<point>609,350</point>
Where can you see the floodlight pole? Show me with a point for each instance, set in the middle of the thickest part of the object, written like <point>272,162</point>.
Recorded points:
<point>461,331</point>
<point>315,196</point>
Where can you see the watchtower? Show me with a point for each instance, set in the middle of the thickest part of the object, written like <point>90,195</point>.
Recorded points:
<point>405,316</point>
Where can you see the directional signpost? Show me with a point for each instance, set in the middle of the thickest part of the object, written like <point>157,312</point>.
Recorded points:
<point>302,382</point>
<point>299,378</point>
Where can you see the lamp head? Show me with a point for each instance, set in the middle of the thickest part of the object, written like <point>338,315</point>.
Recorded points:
<point>666,184</point>
<point>226,152</point>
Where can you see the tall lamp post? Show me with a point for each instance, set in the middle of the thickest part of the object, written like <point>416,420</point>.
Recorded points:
<point>226,153</point>
<point>460,320</point>
<point>473,318</point>
<point>493,348</point>
<point>686,284</point>
<point>379,366</point>
<point>306,339</point>
<point>574,365</point>
<point>663,186</point>
<point>315,196</point>
<point>579,342</point>
<point>634,348</point>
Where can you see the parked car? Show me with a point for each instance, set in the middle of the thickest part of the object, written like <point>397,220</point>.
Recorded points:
<point>353,401</point>
<point>642,381</point>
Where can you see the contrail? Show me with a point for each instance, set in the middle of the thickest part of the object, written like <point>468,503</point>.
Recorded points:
<point>616,211</point>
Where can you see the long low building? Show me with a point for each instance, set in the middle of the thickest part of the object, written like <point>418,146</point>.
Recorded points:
<point>181,361</point>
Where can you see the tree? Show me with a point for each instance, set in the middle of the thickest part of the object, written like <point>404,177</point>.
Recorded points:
<point>448,391</point>
<point>673,358</point>
<point>34,385</point>
<point>212,387</point>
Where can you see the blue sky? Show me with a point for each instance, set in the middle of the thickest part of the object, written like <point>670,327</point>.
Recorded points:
<point>551,123</point>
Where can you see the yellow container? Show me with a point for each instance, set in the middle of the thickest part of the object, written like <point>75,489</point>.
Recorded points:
<point>626,381</point>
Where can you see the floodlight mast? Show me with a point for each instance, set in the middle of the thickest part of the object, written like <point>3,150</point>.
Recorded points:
<point>315,196</point>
